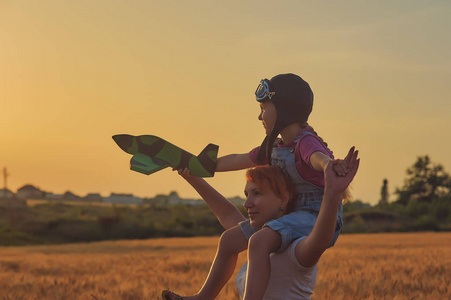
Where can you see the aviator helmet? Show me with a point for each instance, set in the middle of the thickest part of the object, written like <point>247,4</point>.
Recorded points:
<point>293,100</point>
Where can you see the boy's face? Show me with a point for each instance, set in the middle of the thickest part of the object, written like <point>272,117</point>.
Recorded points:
<point>267,115</point>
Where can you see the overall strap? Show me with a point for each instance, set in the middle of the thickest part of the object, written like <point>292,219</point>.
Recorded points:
<point>302,135</point>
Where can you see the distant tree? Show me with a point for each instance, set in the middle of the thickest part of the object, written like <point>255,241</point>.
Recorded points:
<point>384,193</point>
<point>425,181</point>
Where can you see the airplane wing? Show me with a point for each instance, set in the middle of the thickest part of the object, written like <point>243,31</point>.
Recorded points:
<point>147,165</point>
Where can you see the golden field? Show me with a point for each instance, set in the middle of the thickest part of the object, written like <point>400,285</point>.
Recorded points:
<point>376,266</point>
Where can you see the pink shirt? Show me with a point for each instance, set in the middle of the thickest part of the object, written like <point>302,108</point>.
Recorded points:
<point>308,144</point>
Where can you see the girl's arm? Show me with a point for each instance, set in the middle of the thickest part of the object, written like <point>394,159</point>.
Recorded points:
<point>234,162</point>
<point>319,162</point>
<point>309,250</point>
<point>227,213</point>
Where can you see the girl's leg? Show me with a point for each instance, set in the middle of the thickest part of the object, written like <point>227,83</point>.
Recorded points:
<point>231,243</point>
<point>261,245</point>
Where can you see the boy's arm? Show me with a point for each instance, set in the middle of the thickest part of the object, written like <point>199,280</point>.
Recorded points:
<point>309,250</point>
<point>234,162</point>
<point>226,212</point>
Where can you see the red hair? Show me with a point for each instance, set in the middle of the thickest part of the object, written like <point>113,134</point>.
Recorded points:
<point>273,178</point>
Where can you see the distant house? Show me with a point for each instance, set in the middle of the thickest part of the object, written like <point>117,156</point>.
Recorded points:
<point>52,196</point>
<point>158,200</point>
<point>93,198</point>
<point>69,196</point>
<point>6,194</point>
<point>172,199</point>
<point>30,192</point>
<point>123,199</point>
<point>9,200</point>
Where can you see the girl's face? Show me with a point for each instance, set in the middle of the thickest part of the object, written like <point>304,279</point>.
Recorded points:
<point>268,115</point>
<point>262,204</point>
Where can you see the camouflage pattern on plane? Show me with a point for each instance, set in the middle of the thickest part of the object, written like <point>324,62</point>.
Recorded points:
<point>152,154</point>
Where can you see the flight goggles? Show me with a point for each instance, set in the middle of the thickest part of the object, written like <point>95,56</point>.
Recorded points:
<point>262,91</point>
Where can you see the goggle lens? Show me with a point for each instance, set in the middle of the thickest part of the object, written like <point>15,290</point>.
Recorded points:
<point>262,90</point>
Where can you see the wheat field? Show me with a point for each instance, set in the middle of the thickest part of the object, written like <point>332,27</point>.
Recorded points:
<point>376,266</point>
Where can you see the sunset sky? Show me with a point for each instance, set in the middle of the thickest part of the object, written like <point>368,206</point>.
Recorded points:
<point>74,73</point>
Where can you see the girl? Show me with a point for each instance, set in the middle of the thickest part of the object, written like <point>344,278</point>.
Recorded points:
<point>267,191</point>
<point>286,102</point>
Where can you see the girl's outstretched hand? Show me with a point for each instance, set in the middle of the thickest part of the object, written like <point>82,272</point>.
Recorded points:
<point>341,166</point>
<point>337,183</point>
<point>186,175</point>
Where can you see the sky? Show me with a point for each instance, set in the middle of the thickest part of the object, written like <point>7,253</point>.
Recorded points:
<point>74,73</point>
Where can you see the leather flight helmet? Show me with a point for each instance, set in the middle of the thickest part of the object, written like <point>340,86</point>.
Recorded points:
<point>293,100</point>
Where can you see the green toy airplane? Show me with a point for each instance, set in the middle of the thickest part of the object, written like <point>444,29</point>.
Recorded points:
<point>152,154</point>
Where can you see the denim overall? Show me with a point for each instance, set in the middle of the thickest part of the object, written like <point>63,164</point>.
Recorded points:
<point>300,222</point>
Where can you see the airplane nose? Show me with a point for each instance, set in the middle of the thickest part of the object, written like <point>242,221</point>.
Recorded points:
<point>124,141</point>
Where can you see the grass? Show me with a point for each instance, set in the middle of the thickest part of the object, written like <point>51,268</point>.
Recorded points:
<point>376,266</point>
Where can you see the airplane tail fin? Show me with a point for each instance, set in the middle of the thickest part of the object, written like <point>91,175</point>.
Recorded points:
<point>208,158</point>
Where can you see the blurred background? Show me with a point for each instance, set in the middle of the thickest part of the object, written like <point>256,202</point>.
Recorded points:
<point>74,73</point>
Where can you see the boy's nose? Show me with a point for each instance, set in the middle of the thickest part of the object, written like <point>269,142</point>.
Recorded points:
<point>260,117</point>
<point>247,203</point>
